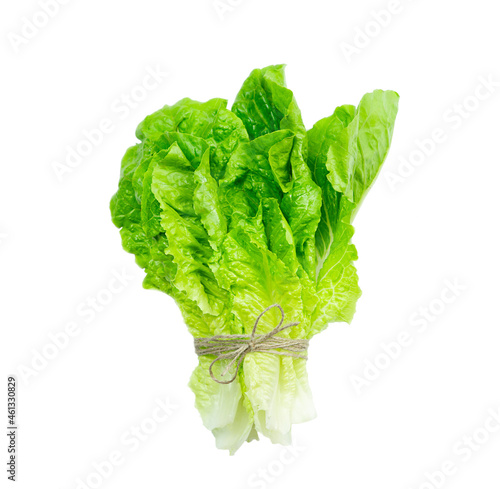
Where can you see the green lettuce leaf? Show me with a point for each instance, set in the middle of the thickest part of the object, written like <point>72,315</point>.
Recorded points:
<point>346,152</point>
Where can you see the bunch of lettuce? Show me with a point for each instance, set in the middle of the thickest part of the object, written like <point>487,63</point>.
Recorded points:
<point>230,211</point>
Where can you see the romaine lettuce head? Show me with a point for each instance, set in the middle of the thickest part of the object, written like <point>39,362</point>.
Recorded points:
<point>231,211</point>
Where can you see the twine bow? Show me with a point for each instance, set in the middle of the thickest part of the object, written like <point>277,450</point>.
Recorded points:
<point>236,346</point>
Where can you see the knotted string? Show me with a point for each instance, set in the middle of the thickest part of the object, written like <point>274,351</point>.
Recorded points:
<point>236,346</point>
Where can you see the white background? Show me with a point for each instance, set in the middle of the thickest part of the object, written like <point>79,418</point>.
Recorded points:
<point>437,223</point>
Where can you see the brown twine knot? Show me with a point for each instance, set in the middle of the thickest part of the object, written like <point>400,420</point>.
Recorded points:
<point>236,346</point>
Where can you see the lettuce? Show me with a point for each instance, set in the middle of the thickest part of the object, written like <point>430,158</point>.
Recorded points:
<point>230,211</point>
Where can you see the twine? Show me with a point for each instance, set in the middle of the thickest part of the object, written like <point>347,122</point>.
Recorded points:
<point>236,346</point>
